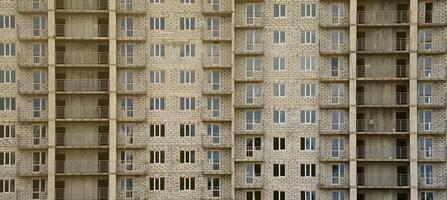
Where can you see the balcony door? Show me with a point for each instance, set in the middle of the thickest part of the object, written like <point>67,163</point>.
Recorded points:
<point>103,78</point>
<point>103,162</point>
<point>60,164</point>
<point>402,175</point>
<point>401,68</point>
<point>401,41</point>
<point>103,27</point>
<point>401,122</point>
<point>60,54</point>
<point>103,191</point>
<point>60,109</point>
<point>402,196</point>
<point>361,41</point>
<point>60,27</point>
<point>103,134</point>
<point>253,12</point>
<point>360,14</point>
<point>426,8</point>
<point>402,13</point>
<point>60,190</point>
<point>103,54</point>
<point>401,148</point>
<point>401,94</point>
<point>103,108</point>
<point>60,136</point>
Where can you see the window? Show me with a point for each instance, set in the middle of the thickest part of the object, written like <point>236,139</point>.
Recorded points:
<point>279,90</point>
<point>308,37</point>
<point>38,188</point>
<point>307,116</point>
<point>336,66</point>
<point>7,185</point>
<point>427,196</point>
<point>187,103</point>
<point>308,195</point>
<point>214,159</point>
<point>127,79</point>
<point>7,103</point>
<point>252,119</point>
<point>308,10</point>
<point>126,159</point>
<point>7,49</point>
<point>253,195</point>
<point>307,90</point>
<point>187,76</point>
<point>187,156</point>
<point>254,12</point>
<point>36,5</point>
<point>127,53</point>
<point>157,76</point>
<point>156,1</point>
<point>425,91</point>
<point>252,66</point>
<point>214,26</point>
<point>307,63</point>
<point>7,131</point>
<point>338,120</point>
<point>7,158</point>
<point>187,23</point>
<point>308,170</point>
<point>337,93</point>
<point>157,130</point>
<point>187,183</point>
<point>39,105</point>
<point>127,106</point>
<point>338,195</point>
<point>214,133</point>
<point>425,145</point>
<point>251,171</point>
<point>337,13</point>
<point>127,131</point>
<point>426,173</point>
<point>338,173</point>
<point>157,157</point>
<point>279,143</point>
<point>279,116</point>
<point>425,40</point>
<point>7,21</point>
<point>157,23</point>
<point>425,66</point>
<point>127,26</point>
<point>307,143</point>
<point>188,50</point>
<point>425,120</point>
<point>279,170</point>
<point>279,64</point>
<point>279,37</point>
<point>39,25</point>
<point>157,50</point>
<point>187,130</point>
<point>39,52</point>
<point>214,106</point>
<point>157,103</point>
<point>279,10</point>
<point>7,76</point>
<point>252,93</point>
<point>214,80</point>
<point>214,186</point>
<point>337,40</point>
<point>251,145</point>
<point>157,183</point>
<point>253,40</point>
<point>187,1</point>
<point>337,147</point>
<point>214,54</point>
<point>39,159</point>
<point>279,195</point>
<point>126,185</point>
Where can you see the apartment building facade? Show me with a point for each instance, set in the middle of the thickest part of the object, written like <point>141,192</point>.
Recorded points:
<point>220,99</point>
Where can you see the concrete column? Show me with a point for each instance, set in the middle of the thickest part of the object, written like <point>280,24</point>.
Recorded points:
<point>413,99</point>
<point>233,23</point>
<point>112,100</point>
<point>51,100</point>
<point>352,99</point>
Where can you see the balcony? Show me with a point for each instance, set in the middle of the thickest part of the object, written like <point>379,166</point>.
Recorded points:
<point>131,88</point>
<point>328,181</point>
<point>82,167</point>
<point>432,154</point>
<point>333,155</point>
<point>434,46</point>
<point>131,194</point>
<point>432,18</point>
<point>135,34</point>
<point>329,48</point>
<point>130,167</point>
<point>383,125</point>
<point>224,34</point>
<point>29,114</point>
<point>28,32</point>
<point>82,85</point>
<point>135,7</point>
<point>254,182</point>
<point>436,72</point>
<point>82,140</point>
<point>137,59</point>
<point>334,128</point>
<point>25,87</point>
<point>27,141</point>
<point>335,101</point>
<point>365,180</point>
<point>250,49</point>
<point>27,6</point>
<point>383,18</point>
<point>216,142</point>
<point>215,116</point>
<point>382,45</point>
<point>134,114</point>
<point>326,73</point>
<point>26,194</point>
<point>215,61</point>
<point>245,154</point>
<point>82,112</point>
<point>79,59</point>
<point>26,168</point>
<point>395,99</point>
<point>27,59</point>
<point>249,20</point>
<point>329,21</point>
<point>249,102</point>
<point>248,127</point>
<point>219,167</point>
<point>432,182</point>
<point>82,32</point>
<point>216,89</point>
<point>99,193</point>
<point>436,127</point>
<point>431,101</point>
<point>244,76</point>
<point>220,8</point>
<point>376,153</point>
<point>382,73</point>
<point>82,6</point>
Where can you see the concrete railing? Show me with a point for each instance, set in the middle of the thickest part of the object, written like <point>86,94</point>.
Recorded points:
<point>131,87</point>
<point>216,141</point>
<point>329,20</point>
<point>82,166</point>
<point>376,180</point>
<point>216,167</point>
<point>81,112</point>
<point>243,152</point>
<point>72,85</point>
<point>249,19</point>
<point>327,46</point>
<point>249,182</point>
<point>209,60</point>
<point>388,153</point>
<point>78,31</point>
<point>82,139</point>
<point>250,101</point>
<point>123,166</point>
<point>138,58</point>
<point>82,57</point>
<point>433,181</point>
<point>380,17</point>
<point>98,193</point>
<point>382,45</point>
<point>373,99</point>
<point>130,194</point>
<point>27,58</point>
<point>327,72</point>
<point>383,125</point>
<point>29,6</point>
<point>333,154</point>
<point>222,6</point>
<point>399,71</point>
<point>138,6</point>
<point>84,5</point>
<point>328,180</point>
<point>334,100</point>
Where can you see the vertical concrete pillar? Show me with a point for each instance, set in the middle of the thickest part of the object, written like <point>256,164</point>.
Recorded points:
<point>233,23</point>
<point>51,100</point>
<point>112,100</point>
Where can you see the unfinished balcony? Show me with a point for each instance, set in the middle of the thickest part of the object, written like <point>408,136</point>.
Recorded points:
<point>82,6</point>
<point>432,18</point>
<point>72,193</point>
<point>385,73</point>
<point>376,153</point>
<point>433,182</point>
<point>333,155</point>
<point>82,167</point>
<point>84,86</point>
<point>131,7</point>
<point>382,45</point>
<point>32,7</point>
<point>432,127</point>
<point>31,114</point>
<point>383,18</point>
<point>31,88</point>
<point>220,8</point>
<point>217,35</point>
<point>249,20</point>
<point>82,59</point>
<point>330,21</point>
<point>82,140</point>
<point>216,142</point>
<point>82,32</point>
<point>386,126</point>
<point>82,113</point>
<point>216,167</point>
<point>28,32</point>
<point>378,100</point>
<point>434,46</point>
<point>432,154</point>
<point>383,181</point>
<point>437,72</point>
